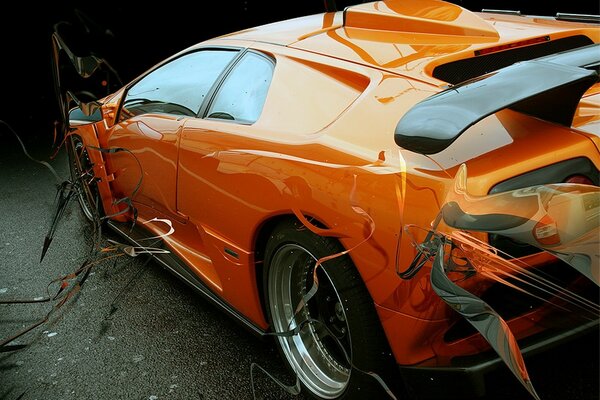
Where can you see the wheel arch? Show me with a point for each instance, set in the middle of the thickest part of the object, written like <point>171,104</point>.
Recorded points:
<point>261,237</point>
<point>89,135</point>
<point>265,231</point>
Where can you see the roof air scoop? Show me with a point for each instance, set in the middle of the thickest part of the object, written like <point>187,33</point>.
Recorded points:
<point>422,16</point>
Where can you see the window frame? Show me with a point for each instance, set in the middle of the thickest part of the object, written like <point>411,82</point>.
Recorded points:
<point>212,93</point>
<point>240,52</point>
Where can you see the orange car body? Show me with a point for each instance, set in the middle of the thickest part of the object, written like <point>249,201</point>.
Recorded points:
<point>324,144</point>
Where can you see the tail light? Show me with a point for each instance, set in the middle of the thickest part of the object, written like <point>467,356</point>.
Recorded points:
<point>578,170</point>
<point>545,231</point>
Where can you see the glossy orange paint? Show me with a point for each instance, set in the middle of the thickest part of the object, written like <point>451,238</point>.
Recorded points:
<point>324,142</point>
<point>428,16</point>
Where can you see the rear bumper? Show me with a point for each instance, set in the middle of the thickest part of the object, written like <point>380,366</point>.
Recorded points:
<point>465,377</point>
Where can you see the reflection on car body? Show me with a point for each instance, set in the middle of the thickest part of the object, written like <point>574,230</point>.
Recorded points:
<point>271,149</point>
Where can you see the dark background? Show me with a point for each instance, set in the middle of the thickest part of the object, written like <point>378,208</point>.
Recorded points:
<point>165,340</point>
<point>134,36</point>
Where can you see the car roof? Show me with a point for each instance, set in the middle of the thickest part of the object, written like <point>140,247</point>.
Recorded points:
<point>408,37</point>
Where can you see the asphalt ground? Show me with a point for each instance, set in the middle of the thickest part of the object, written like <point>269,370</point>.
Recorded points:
<point>163,341</point>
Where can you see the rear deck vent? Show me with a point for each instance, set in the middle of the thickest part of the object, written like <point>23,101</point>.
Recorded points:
<point>461,70</point>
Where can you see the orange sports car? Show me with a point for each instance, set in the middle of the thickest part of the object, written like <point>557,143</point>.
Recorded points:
<point>401,192</point>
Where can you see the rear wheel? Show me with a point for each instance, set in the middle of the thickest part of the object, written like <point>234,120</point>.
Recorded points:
<point>82,175</point>
<point>344,331</point>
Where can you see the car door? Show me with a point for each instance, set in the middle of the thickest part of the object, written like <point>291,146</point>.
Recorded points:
<point>228,117</point>
<point>209,191</point>
<point>153,110</point>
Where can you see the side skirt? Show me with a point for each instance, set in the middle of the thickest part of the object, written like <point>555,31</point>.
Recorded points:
<point>177,267</point>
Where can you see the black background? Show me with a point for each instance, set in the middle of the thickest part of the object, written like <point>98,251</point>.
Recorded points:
<point>133,36</point>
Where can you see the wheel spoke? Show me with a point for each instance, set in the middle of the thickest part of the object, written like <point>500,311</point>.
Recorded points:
<point>314,353</point>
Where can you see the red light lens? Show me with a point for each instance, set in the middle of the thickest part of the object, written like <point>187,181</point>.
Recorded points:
<point>579,179</point>
<point>546,232</point>
<point>508,46</point>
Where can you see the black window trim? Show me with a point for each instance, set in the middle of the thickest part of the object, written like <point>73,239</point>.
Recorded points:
<point>220,78</point>
<point>214,90</point>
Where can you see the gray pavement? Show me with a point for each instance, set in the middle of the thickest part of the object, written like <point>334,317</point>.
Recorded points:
<point>163,342</point>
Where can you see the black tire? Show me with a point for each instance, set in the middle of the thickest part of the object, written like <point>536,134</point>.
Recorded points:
<point>342,303</point>
<point>82,176</point>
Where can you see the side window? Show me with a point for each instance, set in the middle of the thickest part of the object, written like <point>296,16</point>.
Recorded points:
<point>178,87</point>
<point>242,96</point>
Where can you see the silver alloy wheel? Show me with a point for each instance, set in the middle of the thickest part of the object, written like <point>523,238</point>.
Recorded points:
<point>83,177</point>
<point>313,354</point>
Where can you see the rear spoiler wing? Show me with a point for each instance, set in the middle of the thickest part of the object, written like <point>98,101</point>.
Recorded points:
<point>548,88</point>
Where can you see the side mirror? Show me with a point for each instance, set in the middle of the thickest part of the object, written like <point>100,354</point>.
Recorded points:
<point>77,117</point>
